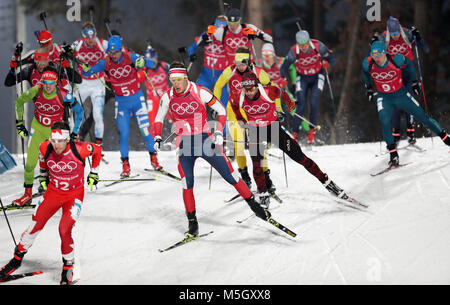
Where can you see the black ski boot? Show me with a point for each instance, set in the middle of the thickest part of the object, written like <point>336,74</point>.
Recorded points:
<point>13,264</point>
<point>192,230</point>
<point>264,199</point>
<point>394,161</point>
<point>444,136</point>
<point>67,272</point>
<point>333,188</point>
<point>269,184</point>
<point>257,208</point>
<point>246,177</point>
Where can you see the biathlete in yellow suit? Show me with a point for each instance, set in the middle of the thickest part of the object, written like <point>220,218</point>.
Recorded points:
<point>232,75</point>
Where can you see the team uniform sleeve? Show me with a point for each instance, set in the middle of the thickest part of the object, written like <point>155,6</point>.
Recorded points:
<point>365,74</point>
<point>162,111</point>
<point>288,61</point>
<point>43,168</point>
<point>209,99</point>
<point>221,82</point>
<point>260,33</point>
<point>98,67</point>
<point>326,53</point>
<point>78,110</point>
<point>406,64</point>
<point>90,149</point>
<point>24,98</point>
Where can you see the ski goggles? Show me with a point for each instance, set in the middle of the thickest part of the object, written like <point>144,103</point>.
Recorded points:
<point>111,52</point>
<point>48,82</point>
<point>377,54</point>
<point>88,32</point>
<point>41,56</point>
<point>59,136</point>
<point>394,33</point>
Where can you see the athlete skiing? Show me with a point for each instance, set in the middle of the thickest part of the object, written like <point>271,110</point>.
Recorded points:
<point>400,40</point>
<point>187,102</point>
<point>215,59</point>
<point>156,84</point>
<point>383,78</point>
<point>236,34</point>
<point>310,56</point>
<point>32,71</point>
<point>51,103</point>
<point>90,49</point>
<point>232,76</point>
<point>62,163</point>
<point>258,102</point>
<point>45,40</point>
<point>121,68</point>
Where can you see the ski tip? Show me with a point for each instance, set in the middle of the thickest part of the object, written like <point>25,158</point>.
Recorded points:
<point>38,272</point>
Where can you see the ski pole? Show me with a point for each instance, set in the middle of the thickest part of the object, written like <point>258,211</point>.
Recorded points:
<point>7,221</point>
<point>107,22</point>
<point>318,127</point>
<point>285,170</point>
<point>137,179</point>
<point>42,16</point>
<point>19,48</point>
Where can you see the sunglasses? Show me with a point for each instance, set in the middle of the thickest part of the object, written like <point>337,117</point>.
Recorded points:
<point>394,33</point>
<point>114,52</point>
<point>377,54</point>
<point>49,82</point>
<point>175,79</point>
<point>249,89</point>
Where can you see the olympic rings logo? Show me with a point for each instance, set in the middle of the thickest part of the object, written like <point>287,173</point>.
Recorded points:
<point>256,109</point>
<point>62,166</point>
<point>274,74</point>
<point>214,48</point>
<point>90,56</point>
<point>236,42</point>
<point>47,107</point>
<point>120,72</point>
<point>185,108</point>
<point>158,78</point>
<point>396,49</point>
<point>308,60</point>
<point>383,75</point>
<point>34,81</point>
<point>236,84</point>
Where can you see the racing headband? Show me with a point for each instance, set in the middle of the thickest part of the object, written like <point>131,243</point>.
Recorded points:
<point>41,56</point>
<point>60,134</point>
<point>49,76</point>
<point>240,57</point>
<point>177,73</point>
<point>88,32</point>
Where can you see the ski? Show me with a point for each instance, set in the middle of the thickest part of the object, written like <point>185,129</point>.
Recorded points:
<point>232,198</point>
<point>121,180</point>
<point>281,227</point>
<point>354,202</point>
<point>275,196</point>
<point>406,147</point>
<point>104,160</point>
<point>12,277</point>
<point>12,207</point>
<point>389,169</point>
<point>184,241</point>
<point>161,171</point>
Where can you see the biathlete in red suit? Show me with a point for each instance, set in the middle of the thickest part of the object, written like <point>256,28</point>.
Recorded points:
<point>258,102</point>
<point>62,164</point>
<point>187,102</point>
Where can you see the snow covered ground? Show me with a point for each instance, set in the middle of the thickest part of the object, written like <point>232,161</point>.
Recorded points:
<point>403,238</point>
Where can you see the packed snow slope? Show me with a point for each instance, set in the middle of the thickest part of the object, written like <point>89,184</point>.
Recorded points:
<point>402,238</point>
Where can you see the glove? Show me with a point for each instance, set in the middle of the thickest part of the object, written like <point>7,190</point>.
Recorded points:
<point>140,62</point>
<point>92,179</point>
<point>218,138</point>
<point>18,50</point>
<point>157,145</point>
<point>44,180</point>
<point>21,130</point>
<point>192,58</point>
<point>65,64</point>
<point>206,39</point>
<point>415,87</point>
<point>251,34</point>
<point>374,38</point>
<point>371,96</point>
<point>73,136</point>
<point>86,68</point>
<point>325,64</point>
<point>416,33</point>
<point>13,63</point>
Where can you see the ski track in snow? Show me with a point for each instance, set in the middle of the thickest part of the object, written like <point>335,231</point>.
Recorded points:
<point>401,238</point>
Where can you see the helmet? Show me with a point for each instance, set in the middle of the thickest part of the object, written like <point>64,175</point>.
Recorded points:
<point>114,44</point>
<point>393,26</point>
<point>233,15</point>
<point>302,37</point>
<point>151,53</point>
